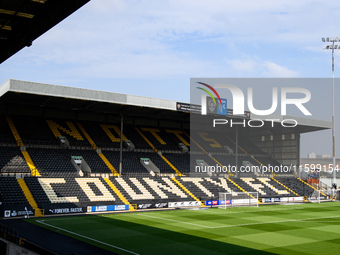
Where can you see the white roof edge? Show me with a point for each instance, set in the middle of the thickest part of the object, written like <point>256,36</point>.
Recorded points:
<point>84,94</point>
<point>4,88</point>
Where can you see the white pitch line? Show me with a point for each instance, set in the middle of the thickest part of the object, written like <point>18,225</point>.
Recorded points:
<point>89,238</point>
<point>177,221</point>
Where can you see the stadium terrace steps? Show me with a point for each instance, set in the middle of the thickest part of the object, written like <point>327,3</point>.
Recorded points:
<point>14,132</point>
<point>306,183</point>
<point>109,165</point>
<point>95,147</point>
<point>197,144</point>
<point>179,134</point>
<point>87,136</point>
<point>69,192</point>
<point>236,185</point>
<point>179,160</point>
<point>30,199</point>
<point>250,158</point>
<point>207,188</point>
<point>108,132</point>
<point>72,131</point>
<point>285,187</point>
<point>61,187</point>
<point>150,189</point>
<point>122,198</point>
<point>147,140</point>
<point>12,161</point>
<point>34,170</point>
<point>154,132</point>
<point>6,134</point>
<point>53,192</point>
<point>178,173</point>
<point>11,192</point>
<point>267,187</point>
<point>164,139</point>
<point>185,189</point>
<point>211,160</point>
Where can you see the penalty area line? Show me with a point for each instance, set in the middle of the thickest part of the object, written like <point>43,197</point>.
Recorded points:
<point>86,237</point>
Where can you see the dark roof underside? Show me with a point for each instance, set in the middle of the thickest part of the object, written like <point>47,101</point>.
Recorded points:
<point>23,21</point>
<point>28,103</point>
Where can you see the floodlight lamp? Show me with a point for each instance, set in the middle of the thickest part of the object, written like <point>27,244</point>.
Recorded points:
<point>327,39</point>
<point>323,39</point>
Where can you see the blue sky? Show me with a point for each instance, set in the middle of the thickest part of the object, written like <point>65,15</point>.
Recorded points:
<point>152,48</point>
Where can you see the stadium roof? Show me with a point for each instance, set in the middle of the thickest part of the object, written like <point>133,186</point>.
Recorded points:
<point>32,95</point>
<point>35,96</point>
<point>23,21</point>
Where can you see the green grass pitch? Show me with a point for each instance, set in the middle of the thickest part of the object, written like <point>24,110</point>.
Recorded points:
<point>270,229</point>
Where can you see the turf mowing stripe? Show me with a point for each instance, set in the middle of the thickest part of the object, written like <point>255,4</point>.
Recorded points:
<point>220,212</point>
<point>273,222</point>
<point>325,221</point>
<point>177,221</point>
<point>89,238</point>
<point>238,225</point>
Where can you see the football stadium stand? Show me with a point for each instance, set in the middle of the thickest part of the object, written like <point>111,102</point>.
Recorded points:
<point>62,152</point>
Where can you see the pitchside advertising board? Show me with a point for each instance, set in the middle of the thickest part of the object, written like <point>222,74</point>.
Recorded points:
<point>184,204</point>
<point>107,208</point>
<point>152,205</point>
<point>218,202</point>
<point>65,210</point>
<point>282,199</point>
<point>16,211</point>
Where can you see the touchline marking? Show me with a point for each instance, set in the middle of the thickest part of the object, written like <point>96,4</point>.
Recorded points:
<point>89,238</point>
<point>177,221</point>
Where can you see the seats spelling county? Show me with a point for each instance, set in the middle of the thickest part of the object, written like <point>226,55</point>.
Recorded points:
<point>59,184</point>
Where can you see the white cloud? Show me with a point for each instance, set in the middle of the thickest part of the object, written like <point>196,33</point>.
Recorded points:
<point>258,68</point>
<point>114,38</point>
<point>274,70</point>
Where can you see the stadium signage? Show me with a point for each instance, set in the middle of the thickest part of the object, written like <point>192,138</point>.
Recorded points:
<point>217,202</point>
<point>157,205</point>
<point>184,204</point>
<point>106,208</point>
<point>14,213</point>
<point>66,210</point>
